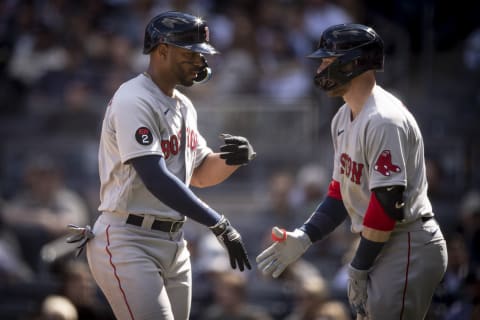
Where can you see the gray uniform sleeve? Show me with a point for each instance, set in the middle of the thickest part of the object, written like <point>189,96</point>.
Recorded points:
<point>386,155</point>
<point>202,150</point>
<point>135,129</point>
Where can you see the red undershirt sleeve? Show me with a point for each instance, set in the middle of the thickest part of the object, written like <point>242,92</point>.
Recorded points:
<point>376,217</point>
<point>334,190</point>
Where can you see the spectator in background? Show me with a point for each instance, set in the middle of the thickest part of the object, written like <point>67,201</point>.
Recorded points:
<point>56,307</point>
<point>332,310</point>
<point>310,290</point>
<point>321,14</point>
<point>78,286</point>
<point>41,211</point>
<point>339,282</point>
<point>283,78</point>
<point>435,176</point>
<point>310,188</point>
<point>119,63</point>
<point>35,54</point>
<point>208,260</point>
<point>76,118</point>
<point>470,224</point>
<point>13,268</point>
<point>311,180</point>
<point>458,268</point>
<point>278,209</point>
<point>441,195</point>
<point>239,70</point>
<point>468,306</point>
<point>231,300</point>
<point>471,53</point>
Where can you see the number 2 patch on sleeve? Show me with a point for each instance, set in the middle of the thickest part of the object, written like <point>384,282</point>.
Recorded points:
<point>143,135</point>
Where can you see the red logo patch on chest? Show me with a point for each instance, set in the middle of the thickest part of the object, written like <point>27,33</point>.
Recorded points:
<point>384,164</point>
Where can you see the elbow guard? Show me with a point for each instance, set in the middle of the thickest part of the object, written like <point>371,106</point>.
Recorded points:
<point>391,199</point>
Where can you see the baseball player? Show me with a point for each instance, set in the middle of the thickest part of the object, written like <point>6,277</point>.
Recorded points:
<point>150,152</point>
<point>378,181</point>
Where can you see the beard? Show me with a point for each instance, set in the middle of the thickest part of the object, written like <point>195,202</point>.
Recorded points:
<point>186,82</point>
<point>184,74</point>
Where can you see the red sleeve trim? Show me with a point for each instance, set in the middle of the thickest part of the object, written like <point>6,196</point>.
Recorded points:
<point>376,217</point>
<point>334,190</point>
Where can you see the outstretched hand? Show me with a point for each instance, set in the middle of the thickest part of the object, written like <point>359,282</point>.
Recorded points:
<point>287,248</point>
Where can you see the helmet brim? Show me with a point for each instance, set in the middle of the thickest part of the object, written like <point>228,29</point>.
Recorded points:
<point>203,47</point>
<point>322,53</point>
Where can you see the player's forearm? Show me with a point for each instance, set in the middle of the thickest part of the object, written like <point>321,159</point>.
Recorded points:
<point>212,171</point>
<point>378,223</point>
<point>328,216</point>
<point>371,243</point>
<point>375,235</point>
<point>171,191</point>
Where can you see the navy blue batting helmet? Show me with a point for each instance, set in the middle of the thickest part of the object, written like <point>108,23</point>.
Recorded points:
<point>178,29</point>
<point>358,48</point>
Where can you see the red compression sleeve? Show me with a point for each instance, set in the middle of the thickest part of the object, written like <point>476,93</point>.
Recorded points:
<point>334,190</point>
<point>376,217</point>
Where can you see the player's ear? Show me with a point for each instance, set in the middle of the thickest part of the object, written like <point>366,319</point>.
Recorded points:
<point>161,50</point>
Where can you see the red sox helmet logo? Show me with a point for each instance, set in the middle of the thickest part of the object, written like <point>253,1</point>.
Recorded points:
<point>384,164</point>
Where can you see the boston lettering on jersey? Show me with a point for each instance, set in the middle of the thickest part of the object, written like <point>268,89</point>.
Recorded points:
<point>172,145</point>
<point>351,168</point>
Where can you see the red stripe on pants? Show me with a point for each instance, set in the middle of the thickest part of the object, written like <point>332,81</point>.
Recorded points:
<point>406,278</point>
<point>116,275</point>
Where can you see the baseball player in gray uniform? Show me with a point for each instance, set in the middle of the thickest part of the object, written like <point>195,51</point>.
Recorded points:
<point>150,152</point>
<point>378,181</point>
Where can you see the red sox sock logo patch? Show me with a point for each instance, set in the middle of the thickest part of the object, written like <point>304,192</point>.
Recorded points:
<point>384,164</point>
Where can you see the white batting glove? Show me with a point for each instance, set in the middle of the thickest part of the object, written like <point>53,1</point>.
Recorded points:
<point>288,247</point>
<point>81,235</point>
<point>357,290</point>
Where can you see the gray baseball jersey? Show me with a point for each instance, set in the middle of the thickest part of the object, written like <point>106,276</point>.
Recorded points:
<point>144,273</point>
<point>141,120</point>
<point>381,147</point>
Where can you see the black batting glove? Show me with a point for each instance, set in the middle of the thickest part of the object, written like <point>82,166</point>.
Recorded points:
<point>236,150</point>
<point>231,240</point>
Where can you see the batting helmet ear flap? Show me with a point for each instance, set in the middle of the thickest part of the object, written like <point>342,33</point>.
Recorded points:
<point>205,74</point>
